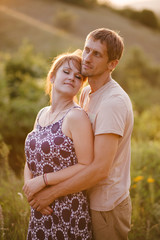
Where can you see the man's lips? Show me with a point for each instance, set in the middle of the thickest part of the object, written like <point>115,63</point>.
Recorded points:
<point>86,66</point>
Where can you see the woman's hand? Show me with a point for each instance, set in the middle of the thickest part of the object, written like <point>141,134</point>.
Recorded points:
<point>33,186</point>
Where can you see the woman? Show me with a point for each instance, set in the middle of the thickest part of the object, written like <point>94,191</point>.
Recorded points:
<point>60,145</point>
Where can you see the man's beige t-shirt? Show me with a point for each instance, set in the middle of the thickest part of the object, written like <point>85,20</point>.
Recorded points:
<point>110,111</point>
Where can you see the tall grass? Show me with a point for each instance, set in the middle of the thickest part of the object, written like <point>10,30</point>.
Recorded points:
<point>14,209</point>
<point>145,193</point>
<point>1,224</point>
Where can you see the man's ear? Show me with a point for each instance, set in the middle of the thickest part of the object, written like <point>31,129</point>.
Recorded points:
<point>112,64</point>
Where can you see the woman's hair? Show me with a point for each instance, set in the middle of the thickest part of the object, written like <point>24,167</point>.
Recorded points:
<point>112,39</point>
<point>75,57</point>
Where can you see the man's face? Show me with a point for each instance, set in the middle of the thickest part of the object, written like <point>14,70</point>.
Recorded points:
<point>95,58</point>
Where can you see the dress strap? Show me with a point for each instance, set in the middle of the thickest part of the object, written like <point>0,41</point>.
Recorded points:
<point>70,110</point>
<point>40,113</point>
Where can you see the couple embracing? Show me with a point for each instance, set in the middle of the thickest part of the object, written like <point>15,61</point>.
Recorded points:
<point>77,171</point>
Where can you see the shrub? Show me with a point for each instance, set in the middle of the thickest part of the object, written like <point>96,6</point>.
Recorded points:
<point>82,3</point>
<point>148,124</point>
<point>21,99</point>
<point>140,78</point>
<point>148,18</point>
<point>4,151</point>
<point>65,20</point>
<point>145,17</point>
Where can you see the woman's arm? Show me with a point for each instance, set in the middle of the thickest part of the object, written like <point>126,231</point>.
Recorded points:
<point>27,173</point>
<point>27,178</point>
<point>79,128</point>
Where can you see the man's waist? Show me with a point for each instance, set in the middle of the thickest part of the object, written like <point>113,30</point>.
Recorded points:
<point>103,202</point>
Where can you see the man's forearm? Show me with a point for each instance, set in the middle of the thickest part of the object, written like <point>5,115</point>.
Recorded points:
<point>83,180</point>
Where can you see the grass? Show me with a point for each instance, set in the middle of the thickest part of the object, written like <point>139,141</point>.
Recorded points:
<point>14,209</point>
<point>14,31</point>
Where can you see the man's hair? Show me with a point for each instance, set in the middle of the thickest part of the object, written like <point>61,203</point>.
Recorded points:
<point>112,39</point>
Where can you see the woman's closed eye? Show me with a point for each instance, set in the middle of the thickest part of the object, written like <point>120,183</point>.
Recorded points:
<point>66,71</point>
<point>79,77</point>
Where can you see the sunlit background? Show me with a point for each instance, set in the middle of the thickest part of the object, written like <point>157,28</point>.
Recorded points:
<point>32,32</point>
<point>136,4</point>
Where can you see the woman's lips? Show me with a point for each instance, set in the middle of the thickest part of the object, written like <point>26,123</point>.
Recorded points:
<point>69,84</point>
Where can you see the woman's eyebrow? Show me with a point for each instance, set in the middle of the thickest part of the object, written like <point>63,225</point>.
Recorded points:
<point>71,69</point>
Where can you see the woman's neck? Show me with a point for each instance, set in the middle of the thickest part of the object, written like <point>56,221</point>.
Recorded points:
<point>60,103</point>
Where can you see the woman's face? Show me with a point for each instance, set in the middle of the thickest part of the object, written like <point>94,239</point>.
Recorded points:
<point>68,79</point>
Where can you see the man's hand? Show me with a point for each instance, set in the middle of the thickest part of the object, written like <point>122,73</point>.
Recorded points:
<point>46,211</point>
<point>41,199</point>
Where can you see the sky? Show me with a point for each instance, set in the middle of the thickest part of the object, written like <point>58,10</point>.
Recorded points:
<point>123,2</point>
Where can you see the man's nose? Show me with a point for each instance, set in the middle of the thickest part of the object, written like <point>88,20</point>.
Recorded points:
<point>88,57</point>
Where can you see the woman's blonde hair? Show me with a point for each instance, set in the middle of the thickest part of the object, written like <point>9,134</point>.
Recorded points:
<point>75,57</point>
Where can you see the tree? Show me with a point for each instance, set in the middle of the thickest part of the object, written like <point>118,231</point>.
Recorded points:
<point>148,18</point>
<point>83,3</point>
<point>23,96</point>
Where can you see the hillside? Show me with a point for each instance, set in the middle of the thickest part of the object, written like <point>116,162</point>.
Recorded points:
<point>153,5</point>
<point>33,20</point>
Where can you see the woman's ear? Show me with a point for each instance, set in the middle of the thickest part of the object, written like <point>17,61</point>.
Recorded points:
<point>52,77</point>
<point>52,80</point>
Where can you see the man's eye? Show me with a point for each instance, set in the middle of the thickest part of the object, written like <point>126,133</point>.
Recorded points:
<point>97,54</point>
<point>87,50</point>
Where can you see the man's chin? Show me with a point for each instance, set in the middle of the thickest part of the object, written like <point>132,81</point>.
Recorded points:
<point>86,74</point>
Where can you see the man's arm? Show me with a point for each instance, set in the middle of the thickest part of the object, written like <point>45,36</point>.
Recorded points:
<point>105,148</point>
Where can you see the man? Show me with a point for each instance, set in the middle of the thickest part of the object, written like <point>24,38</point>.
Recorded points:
<point>110,111</point>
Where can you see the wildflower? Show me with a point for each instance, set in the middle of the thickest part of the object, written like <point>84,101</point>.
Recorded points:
<point>151,190</point>
<point>21,195</point>
<point>150,180</point>
<point>138,178</point>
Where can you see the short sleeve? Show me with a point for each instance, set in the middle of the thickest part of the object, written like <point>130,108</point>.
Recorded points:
<point>111,117</point>
<point>83,96</point>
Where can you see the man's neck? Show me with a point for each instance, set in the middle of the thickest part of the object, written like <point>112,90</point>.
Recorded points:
<point>97,82</point>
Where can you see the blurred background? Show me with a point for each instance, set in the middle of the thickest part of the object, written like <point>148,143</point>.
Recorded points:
<point>32,32</point>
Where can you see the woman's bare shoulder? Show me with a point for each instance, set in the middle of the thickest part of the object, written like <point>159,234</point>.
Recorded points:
<point>77,115</point>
